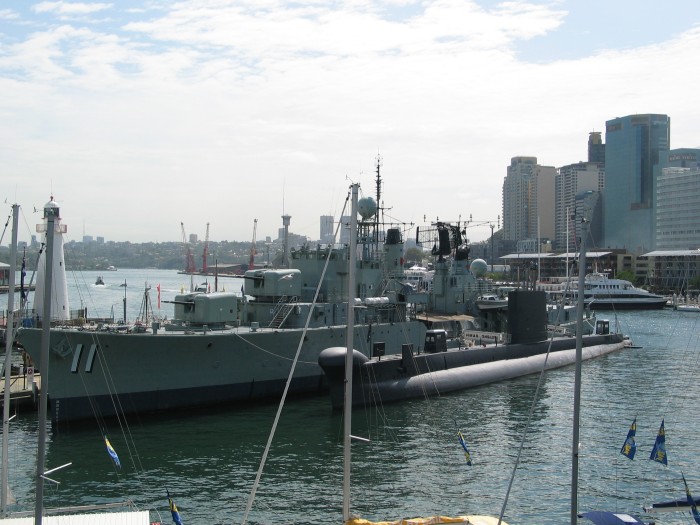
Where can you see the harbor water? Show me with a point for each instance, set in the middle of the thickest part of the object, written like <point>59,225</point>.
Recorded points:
<point>413,464</point>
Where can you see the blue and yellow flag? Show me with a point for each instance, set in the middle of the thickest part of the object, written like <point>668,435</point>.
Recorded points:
<point>173,510</point>
<point>658,453</point>
<point>112,453</point>
<point>630,446</point>
<point>467,455</point>
<point>691,502</point>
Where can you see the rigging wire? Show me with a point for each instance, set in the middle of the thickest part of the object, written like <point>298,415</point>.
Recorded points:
<point>258,476</point>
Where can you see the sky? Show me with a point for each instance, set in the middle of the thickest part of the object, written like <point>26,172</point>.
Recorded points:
<point>144,117</point>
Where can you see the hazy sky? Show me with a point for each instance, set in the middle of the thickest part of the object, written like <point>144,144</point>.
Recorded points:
<point>139,116</point>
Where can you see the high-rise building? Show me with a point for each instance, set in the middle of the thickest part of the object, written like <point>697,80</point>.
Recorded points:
<point>677,200</point>
<point>633,145</point>
<point>528,200</point>
<point>570,181</point>
<point>596,148</point>
<point>344,237</point>
<point>326,229</point>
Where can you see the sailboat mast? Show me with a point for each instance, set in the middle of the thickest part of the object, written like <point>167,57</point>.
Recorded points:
<point>50,214</point>
<point>9,337</point>
<point>347,405</point>
<point>577,374</point>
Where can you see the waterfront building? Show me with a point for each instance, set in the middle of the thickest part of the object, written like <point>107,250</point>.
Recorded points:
<point>633,146</point>
<point>678,209</point>
<point>528,200</point>
<point>557,266</point>
<point>677,200</point>
<point>672,271</point>
<point>570,181</point>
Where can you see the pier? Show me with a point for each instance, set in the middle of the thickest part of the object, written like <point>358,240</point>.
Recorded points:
<point>24,391</point>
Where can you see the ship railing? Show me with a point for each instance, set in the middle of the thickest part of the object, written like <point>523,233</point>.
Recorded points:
<point>282,310</point>
<point>30,318</point>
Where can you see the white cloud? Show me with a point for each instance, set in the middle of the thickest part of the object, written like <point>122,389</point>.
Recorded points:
<point>220,110</point>
<point>8,14</point>
<point>70,8</point>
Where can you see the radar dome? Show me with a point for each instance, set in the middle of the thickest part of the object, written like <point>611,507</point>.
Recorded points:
<point>478,267</point>
<point>366,207</point>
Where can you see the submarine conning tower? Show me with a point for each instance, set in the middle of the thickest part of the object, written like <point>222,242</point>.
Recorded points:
<point>527,316</point>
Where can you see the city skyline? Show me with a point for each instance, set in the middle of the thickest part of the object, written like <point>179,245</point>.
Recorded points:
<point>138,117</point>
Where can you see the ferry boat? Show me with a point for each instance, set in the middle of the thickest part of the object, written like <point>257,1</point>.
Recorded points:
<point>604,293</point>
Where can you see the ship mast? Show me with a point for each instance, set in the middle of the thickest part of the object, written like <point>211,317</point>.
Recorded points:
<point>379,196</point>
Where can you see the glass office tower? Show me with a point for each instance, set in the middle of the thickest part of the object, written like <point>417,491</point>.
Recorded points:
<point>633,145</point>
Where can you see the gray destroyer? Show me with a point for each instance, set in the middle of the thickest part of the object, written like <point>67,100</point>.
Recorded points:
<point>225,348</point>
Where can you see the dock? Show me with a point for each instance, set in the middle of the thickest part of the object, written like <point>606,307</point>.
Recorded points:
<point>27,287</point>
<point>24,391</point>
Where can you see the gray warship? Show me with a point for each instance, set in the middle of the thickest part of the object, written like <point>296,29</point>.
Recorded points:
<point>222,348</point>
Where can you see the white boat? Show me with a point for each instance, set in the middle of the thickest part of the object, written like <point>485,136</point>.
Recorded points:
<point>687,308</point>
<point>605,293</point>
<point>491,302</point>
<point>111,268</point>
<point>684,306</point>
<point>686,504</point>
<point>561,319</point>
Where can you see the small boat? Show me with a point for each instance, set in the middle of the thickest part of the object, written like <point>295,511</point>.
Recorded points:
<point>491,302</point>
<point>687,308</point>
<point>685,305</point>
<point>99,281</point>
<point>599,517</point>
<point>111,268</point>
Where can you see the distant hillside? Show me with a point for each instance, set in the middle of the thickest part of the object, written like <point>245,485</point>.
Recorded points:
<point>164,256</point>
